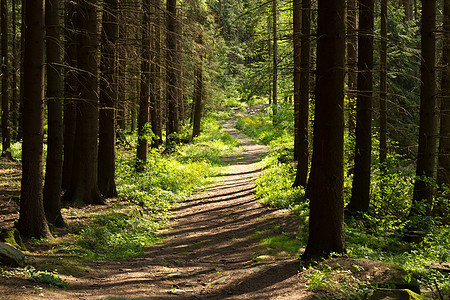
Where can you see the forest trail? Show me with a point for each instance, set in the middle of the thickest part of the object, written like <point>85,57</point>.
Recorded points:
<point>212,248</point>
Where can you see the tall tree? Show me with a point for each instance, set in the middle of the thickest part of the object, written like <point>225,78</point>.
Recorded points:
<point>326,183</point>
<point>14,104</point>
<point>70,90</point>
<point>360,198</point>
<point>275,59</point>
<point>426,157</point>
<point>144,97</point>
<point>155,95</point>
<point>297,42</point>
<point>443,169</point>
<point>32,220</point>
<point>6,139</point>
<point>172,84</point>
<point>303,148</point>
<point>198,88</point>
<point>180,72</point>
<point>383,83</point>
<point>122,65</point>
<point>83,188</point>
<point>55,91</point>
<point>108,100</point>
<point>352,62</point>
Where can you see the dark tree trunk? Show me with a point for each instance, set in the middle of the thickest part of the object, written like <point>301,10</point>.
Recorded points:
<point>14,106</point>
<point>21,86</point>
<point>32,220</point>
<point>383,83</point>
<point>55,91</point>
<point>143,116</point>
<point>172,84</point>
<point>122,67</point>
<point>155,95</point>
<point>352,65</point>
<point>70,92</point>
<point>6,139</point>
<point>181,110</point>
<point>303,154</point>
<point>275,61</point>
<point>297,41</point>
<point>426,158</point>
<point>443,170</point>
<point>326,183</point>
<point>108,99</point>
<point>198,89</point>
<point>360,198</point>
<point>83,187</point>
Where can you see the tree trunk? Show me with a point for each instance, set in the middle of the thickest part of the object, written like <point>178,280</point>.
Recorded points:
<point>426,158</point>
<point>352,65</point>
<point>303,154</point>
<point>145,89</point>
<point>55,90</point>
<point>297,27</point>
<point>443,170</point>
<point>275,62</point>
<point>14,106</point>
<point>360,198</point>
<point>32,220</point>
<point>326,183</point>
<point>155,95</point>
<point>181,110</point>
<point>70,92</point>
<point>108,100</point>
<point>6,139</point>
<point>383,84</point>
<point>198,88</point>
<point>83,187</point>
<point>172,84</point>
<point>122,67</point>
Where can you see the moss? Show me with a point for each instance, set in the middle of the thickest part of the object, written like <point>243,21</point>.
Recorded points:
<point>12,237</point>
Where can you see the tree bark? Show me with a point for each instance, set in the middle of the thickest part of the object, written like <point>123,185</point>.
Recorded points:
<point>181,110</point>
<point>198,88</point>
<point>352,63</point>
<point>6,138</point>
<point>360,198</point>
<point>32,220</point>
<point>275,61</point>
<point>122,66</point>
<point>155,95</point>
<point>303,154</point>
<point>14,106</point>
<point>108,100</point>
<point>443,169</point>
<point>426,158</point>
<point>297,42</point>
<point>83,187</point>
<point>70,92</point>
<point>172,84</point>
<point>326,183</point>
<point>55,90</point>
<point>143,116</point>
<point>383,84</point>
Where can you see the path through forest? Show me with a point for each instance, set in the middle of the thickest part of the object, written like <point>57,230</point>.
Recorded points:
<point>212,249</point>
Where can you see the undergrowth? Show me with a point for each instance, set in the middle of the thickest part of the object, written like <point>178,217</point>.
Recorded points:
<point>376,235</point>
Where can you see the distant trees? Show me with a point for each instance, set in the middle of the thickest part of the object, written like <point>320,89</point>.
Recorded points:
<point>6,135</point>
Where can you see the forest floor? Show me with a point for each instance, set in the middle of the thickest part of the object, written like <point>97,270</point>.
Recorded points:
<point>212,249</point>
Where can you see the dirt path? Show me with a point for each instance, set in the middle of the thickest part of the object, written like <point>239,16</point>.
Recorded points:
<point>213,249</point>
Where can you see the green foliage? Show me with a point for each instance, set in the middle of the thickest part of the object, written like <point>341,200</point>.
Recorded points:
<point>334,283</point>
<point>284,242</point>
<point>118,235</point>
<point>32,274</point>
<point>211,146</point>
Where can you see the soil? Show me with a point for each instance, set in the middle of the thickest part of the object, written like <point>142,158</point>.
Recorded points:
<point>212,248</point>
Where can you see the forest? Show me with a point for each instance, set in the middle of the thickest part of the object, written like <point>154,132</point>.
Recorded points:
<point>225,149</point>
